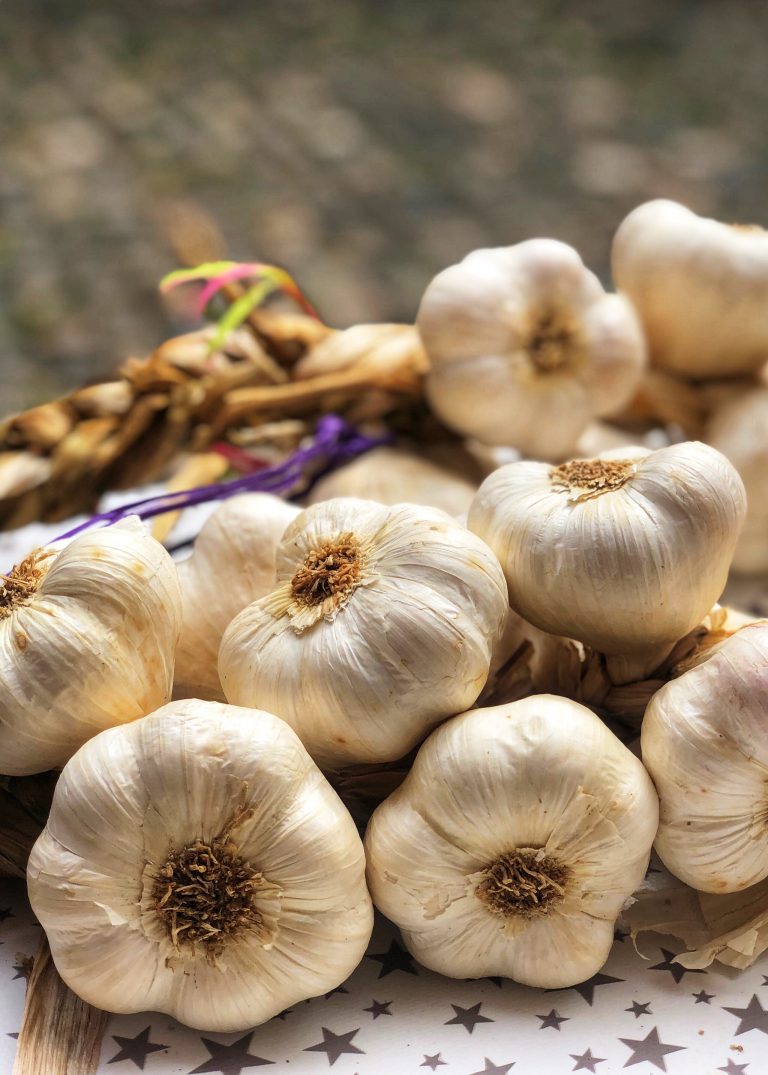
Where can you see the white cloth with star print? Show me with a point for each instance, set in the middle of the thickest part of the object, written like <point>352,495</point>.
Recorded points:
<point>394,1018</point>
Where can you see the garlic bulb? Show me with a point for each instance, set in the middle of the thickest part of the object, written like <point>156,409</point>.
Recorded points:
<point>624,554</point>
<point>391,475</point>
<point>87,636</point>
<point>513,843</point>
<point>197,863</point>
<point>233,564</point>
<point>382,625</point>
<point>699,286</point>
<point>526,348</point>
<point>704,743</point>
<point>739,429</point>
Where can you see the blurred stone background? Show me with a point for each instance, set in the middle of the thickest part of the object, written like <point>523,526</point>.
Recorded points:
<point>363,145</point>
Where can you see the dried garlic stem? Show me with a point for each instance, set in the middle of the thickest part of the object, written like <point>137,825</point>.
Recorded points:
<point>60,1034</point>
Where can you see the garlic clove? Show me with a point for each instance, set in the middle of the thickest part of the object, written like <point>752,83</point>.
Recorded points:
<point>513,843</point>
<point>237,788</point>
<point>699,286</point>
<point>625,555</point>
<point>87,635</point>
<point>382,624</point>
<point>703,742</point>
<point>739,429</point>
<point>232,565</point>
<point>525,347</point>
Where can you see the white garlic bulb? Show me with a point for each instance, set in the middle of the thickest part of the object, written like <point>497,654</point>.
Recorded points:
<point>232,565</point>
<point>87,636</point>
<point>392,475</point>
<point>513,843</point>
<point>525,347</point>
<point>699,286</point>
<point>739,429</point>
<point>382,625</point>
<point>704,743</point>
<point>197,863</point>
<point>626,552</point>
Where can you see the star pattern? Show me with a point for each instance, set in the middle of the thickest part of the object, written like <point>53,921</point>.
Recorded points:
<point>753,1017</point>
<point>395,958</point>
<point>335,1045</point>
<point>379,1007</point>
<point>552,1020</point>
<point>650,1050</point>
<point>586,1062</point>
<point>229,1059</point>
<point>677,970</point>
<point>468,1017</point>
<point>136,1049</point>
<point>411,1019</point>
<point>494,1069</point>
<point>639,1009</point>
<point>587,989</point>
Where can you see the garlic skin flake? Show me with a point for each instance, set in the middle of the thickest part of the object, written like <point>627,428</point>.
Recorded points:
<point>699,286</point>
<point>232,565</point>
<point>526,348</point>
<point>139,809</point>
<point>87,636</point>
<point>626,553</point>
<point>704,742</point>
<point>513,843</point>
<point>382,625</point>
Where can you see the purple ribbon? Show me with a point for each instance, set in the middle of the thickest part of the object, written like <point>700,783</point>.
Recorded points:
<point>334,443</point>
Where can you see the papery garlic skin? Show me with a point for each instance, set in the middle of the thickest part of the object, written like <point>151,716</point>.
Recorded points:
<point>135,794</point>
<point>704,743</point>
<point>543,775</point>
<point>91,647</point>
<point>364,674</point>
<point>232,565</point>
<point>699,286</point>
<point>624,554</point>
<point>739,429</point>
<point>392,475</point>
<point>525,347</point>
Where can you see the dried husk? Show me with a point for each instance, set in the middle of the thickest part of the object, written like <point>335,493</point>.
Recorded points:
<point>731,928</point>
<point>60,1034</point>
<point>56,460</point>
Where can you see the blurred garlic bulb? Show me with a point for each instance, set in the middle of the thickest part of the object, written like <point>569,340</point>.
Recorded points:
<point>526,347</point>
<point>626,552</point>
<point>391,475</point>
<point>513,843</point>
<point>382,625</point>
<point>704,743</point>
<point>197,863</point>
<point>233,564</point>
<point>699,286</point>
<point>739,429</point>
<point>87,635</point>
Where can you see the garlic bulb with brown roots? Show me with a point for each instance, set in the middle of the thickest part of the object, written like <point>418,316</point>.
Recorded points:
<point>382,625</point>
<point>513,843</point>
<point>625,553</point>
<point>526,348</point>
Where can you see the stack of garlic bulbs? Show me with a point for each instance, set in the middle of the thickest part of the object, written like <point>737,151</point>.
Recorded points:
<point>197,859</point>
